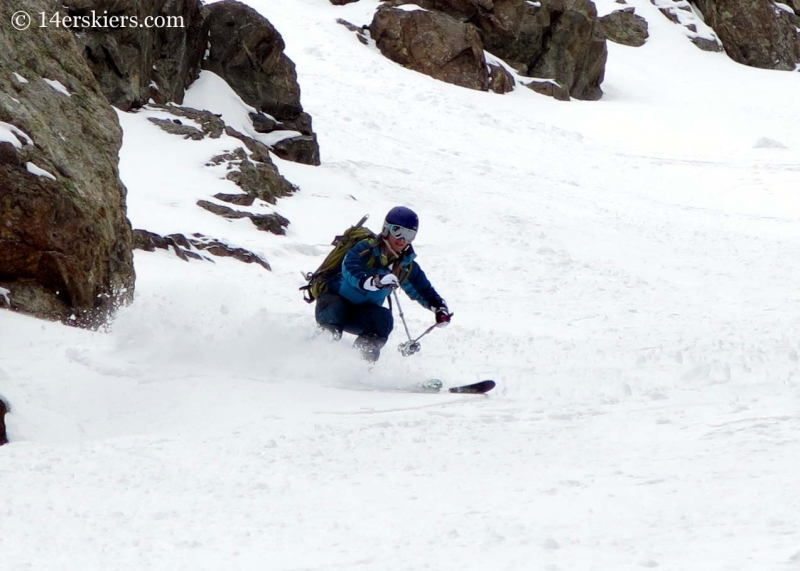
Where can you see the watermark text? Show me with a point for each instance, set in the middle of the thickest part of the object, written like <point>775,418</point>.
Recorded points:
<point>22,20</point>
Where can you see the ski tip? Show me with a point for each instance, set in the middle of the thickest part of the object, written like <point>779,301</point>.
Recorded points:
<point>475,388</point>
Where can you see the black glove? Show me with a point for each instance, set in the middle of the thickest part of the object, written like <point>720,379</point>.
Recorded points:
<point>443,315</point>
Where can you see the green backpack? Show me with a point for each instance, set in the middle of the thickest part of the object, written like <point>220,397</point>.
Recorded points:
<point>332,264</point>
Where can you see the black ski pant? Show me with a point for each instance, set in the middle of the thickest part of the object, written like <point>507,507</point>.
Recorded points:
<point>371,323</point>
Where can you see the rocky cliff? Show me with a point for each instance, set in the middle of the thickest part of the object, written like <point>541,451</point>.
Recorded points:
<point>65,241</point>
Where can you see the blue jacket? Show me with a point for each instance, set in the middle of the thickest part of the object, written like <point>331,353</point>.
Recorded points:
<point>366,259</point>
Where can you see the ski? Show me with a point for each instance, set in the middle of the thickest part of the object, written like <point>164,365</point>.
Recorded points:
<point>436,386</point>
<point>474,389</point>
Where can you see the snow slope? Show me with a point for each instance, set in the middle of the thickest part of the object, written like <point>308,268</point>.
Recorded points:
<point>625,269</point>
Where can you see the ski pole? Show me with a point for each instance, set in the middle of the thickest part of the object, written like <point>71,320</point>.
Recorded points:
<point>412,345</point>
<point>400,311</point>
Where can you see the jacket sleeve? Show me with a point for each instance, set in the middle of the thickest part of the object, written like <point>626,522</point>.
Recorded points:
<point>418,288</point>
<point>354,265</point>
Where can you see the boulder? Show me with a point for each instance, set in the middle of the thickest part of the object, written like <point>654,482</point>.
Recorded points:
<point>247,51</point>
<point>758,34</point>
<point>500,80</point>
<point>301,149</point>
<point>65,240</point>
<point>515,31</point>
<point>134,63</point>
<point>549,88</point>
<point>575,50</point>
<point>556,39</point>
<point>625,27</point>
<point>433,43</point>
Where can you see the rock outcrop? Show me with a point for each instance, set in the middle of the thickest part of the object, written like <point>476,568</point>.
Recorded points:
<point>625,27</point>
<point>247,51</point>
<point>574,52</point>
<point>761,34</point>
<point>682,13</point>
<point>252,170</point>
<point>65,241</point>
<point>560,40</point>
<point>433,43</point>
<point>190,248</point>
<point>155,55</point>
<point>160,57</point>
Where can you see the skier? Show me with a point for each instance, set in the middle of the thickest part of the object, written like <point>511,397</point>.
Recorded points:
<point>371,270</point>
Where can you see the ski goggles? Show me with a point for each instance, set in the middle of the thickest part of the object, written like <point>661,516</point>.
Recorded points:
<point>402,232</point>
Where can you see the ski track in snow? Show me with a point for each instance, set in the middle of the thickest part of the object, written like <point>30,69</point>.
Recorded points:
<point>625,269</point>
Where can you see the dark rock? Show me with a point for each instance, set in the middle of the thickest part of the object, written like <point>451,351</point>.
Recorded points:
<point>301,123</point>
<point>624,27</point>
<point>179,240</point>
<point>264,124</point>
<point>136,63</point>
<point>342,2</point>
<point>681,12</point>
<point>549,88</point>
<point>556,39</point>
<point>258,178</point>
<point>3,411</point>
<point>707,44</point>
<point>575,51</point>
<point>259,150</point>
<point>302,149</point>
<point>247,52</point>
<point>148,241</point>
<point>65,241</point>
<point>757,34</point>
<point>178,51</point>
<point>515,31</point>
<point>238,199</point>
<point>218,248</point>
<point>274,223</point>
<point>500,80</point>
<point>186,131</point>
<point>432,43</point>
<point>184,247</point>
<point>359,31</point>
<point>9,155</point>
<point>210,123</point>
<point>223,211</point>
<point>257,175</point>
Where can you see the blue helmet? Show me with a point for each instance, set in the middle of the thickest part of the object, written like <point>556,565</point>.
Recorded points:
<point>399,219</point>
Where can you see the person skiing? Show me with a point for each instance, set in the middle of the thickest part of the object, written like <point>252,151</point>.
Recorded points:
<point>371,270</point>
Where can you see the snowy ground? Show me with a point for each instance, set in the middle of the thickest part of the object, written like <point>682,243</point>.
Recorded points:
<point>625,269</point>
